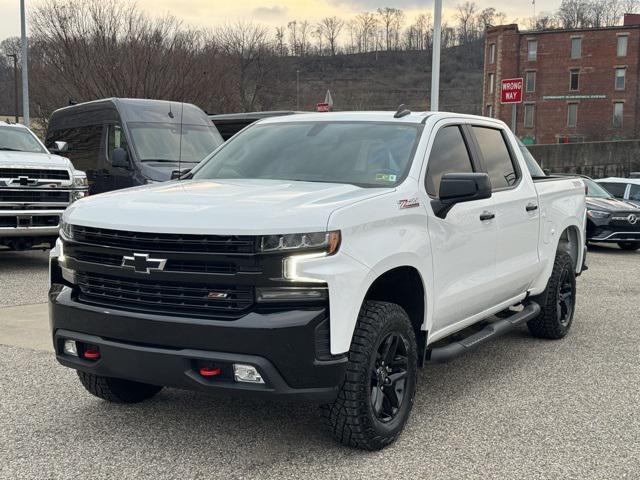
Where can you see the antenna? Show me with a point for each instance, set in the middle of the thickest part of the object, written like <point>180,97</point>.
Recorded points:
<point>402,111</point>
<point>180,144</point>
<point>170,112</point>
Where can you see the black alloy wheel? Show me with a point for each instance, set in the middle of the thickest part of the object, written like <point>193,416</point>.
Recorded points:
<point>389,377</point>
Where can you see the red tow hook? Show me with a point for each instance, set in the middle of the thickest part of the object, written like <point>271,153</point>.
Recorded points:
<point>92,354</point>
<point>210,371</point>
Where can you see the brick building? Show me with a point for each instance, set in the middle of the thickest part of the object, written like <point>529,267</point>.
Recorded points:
<point>579,85</point>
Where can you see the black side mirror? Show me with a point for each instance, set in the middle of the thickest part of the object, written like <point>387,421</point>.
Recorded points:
<point>119,158</point>
<point>546,171</point>
<point>459,188</point>
<point>59,147</point>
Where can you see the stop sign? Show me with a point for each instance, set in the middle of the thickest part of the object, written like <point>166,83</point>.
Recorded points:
<point>511,90</point>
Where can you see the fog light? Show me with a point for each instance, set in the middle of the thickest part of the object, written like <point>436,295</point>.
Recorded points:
<point>246,373</point>
<point>70,348</point>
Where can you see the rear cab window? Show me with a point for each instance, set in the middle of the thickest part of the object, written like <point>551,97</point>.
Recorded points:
<point>496,157</point>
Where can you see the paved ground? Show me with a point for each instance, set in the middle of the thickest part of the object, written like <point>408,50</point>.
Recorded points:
<point>518,408</point>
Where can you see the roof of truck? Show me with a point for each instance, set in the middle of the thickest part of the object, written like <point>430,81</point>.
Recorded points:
<point>371,116</point>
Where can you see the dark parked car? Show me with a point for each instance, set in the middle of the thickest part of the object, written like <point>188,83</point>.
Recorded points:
<point>228,124</point>
<point>611,220</point>
<point>121,142</point>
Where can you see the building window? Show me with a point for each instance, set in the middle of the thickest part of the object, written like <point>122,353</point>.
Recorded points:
<point>622,45</point>
<point>574,79</point>
<point>529,113</point>
<point>530,82</point>
<point>618,112</point>
<point>532,50</point>
<point>572,115</point>
<point>576,47</point>
<point>491,82</point>
<point>492,53</point>
<point>621,73</point>
<point>489,110</point>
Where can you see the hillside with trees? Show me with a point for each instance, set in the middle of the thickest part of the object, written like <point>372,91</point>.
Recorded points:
<point>87,49</point>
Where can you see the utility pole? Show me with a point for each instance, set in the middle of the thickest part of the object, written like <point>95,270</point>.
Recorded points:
<point>15,85</point>
<point>25,74</point>
<point>298,90</point>
<point>435,54</point>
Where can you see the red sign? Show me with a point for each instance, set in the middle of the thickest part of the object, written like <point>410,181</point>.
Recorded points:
<point>323,107</point>
<point>511,90</point>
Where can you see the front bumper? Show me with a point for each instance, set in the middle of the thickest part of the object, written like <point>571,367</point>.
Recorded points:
<point>284,346</point>
<point>30,223</point>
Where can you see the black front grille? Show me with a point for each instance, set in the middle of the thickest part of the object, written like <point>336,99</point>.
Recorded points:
<point>204,266</point>
<point>34,173</point>
<point>34,196</point>
<point>144,242</point>
<point>169,298</point>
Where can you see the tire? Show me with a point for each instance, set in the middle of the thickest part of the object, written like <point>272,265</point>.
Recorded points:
<point>363,415</point>
<point>117,390</point>
<point>557,301</point>
<point>629,246</point>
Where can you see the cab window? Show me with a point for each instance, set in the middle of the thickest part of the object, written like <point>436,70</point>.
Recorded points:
<point>449,154</point>
<point>615,189</point>
<point>496,157</point>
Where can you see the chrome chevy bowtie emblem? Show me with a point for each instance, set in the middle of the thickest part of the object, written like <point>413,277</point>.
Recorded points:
<point>141,263</point>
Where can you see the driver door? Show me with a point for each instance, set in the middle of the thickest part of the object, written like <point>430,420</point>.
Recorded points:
<point>464,242</point>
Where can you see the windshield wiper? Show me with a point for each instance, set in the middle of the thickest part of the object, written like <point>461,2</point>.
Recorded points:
<point>10,149</point>
<point>166,160</point>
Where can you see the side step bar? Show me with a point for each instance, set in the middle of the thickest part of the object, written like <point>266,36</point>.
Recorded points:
<point>491,331</point>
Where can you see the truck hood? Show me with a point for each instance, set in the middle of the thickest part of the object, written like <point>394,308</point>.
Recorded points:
<point>29,159</point>
<point>224,207</point>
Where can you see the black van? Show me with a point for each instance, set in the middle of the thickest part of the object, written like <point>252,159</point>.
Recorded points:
<point>122,142</point>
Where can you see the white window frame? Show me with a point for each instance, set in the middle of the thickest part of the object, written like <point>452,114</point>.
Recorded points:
<point>575,120</point>
<point>531,106</point>
<point>626,44</point>
<point>530,57</point>
<point>624,79</point>
<point>579,54</point>
<point>492,82</point>
<point>492,53</point>
<point>526,81</point>
<point>613,120</point>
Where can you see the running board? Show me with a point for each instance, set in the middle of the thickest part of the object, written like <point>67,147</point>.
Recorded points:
<point>491,331</point>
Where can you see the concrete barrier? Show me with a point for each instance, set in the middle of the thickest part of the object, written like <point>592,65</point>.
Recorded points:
<point>595,159</point>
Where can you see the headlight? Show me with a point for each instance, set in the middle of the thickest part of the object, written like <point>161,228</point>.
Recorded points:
<point>66,229</point>
<point>80,180</point>
<point>324,241</point>
<point>597,214</point>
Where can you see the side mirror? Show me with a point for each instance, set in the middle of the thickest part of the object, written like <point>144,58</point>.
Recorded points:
<point>546,171</point>
<point>119,158</point>
<point>459,188</point>
<point>59,147</point>
<point>176,174</point>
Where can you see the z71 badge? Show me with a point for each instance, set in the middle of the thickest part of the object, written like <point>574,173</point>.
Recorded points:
<point>408,203</point>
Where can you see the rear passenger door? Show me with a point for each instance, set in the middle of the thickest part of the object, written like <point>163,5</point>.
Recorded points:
<point>517,212</point>
<point>462,244</point>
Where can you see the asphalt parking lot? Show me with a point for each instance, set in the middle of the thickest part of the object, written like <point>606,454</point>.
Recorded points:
<point>518,408</point>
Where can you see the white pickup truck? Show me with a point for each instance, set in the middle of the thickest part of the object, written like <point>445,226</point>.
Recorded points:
<point>319,256</point>
<point>35,188</point>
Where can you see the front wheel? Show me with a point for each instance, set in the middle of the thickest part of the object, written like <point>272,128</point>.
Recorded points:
<point>377,393</point>
<point>117,390</point>
<point>629,246</point>
<point>557,301</point>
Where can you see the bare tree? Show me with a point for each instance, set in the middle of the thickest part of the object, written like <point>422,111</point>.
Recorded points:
<point>331,28</point>
<point>247,44</point>
<point>281,47</point>
<point>293,37</point>
<point>366,24</point>
<point>304,33</point>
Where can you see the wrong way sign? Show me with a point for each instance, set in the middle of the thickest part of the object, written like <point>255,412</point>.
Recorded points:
<point>511,90</point>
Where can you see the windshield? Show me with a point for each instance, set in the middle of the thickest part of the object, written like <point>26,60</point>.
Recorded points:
<point>161,141</point>
<point>19,140</point>
<point>368,154</point>
<point>595,190</point>
<point>532,164</point>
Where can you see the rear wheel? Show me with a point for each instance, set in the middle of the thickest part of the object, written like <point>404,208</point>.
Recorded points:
<point>117,390</point>
<point>629,246</point>
<point>376,396</point>
<point>557,301</point>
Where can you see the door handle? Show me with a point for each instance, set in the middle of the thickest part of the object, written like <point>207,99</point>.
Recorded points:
<point>531,207</point>
<point>487,216</point>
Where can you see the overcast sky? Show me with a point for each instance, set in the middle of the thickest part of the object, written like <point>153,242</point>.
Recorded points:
<point>203,13</point>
